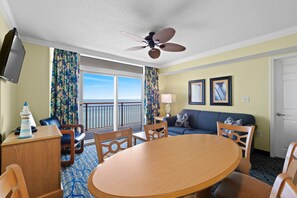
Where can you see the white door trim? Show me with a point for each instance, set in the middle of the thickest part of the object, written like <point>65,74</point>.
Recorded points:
<point>115,103</point>
<point>272,104</point>
<point>80,96</point>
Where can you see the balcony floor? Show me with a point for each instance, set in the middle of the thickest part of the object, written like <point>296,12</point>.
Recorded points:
<point>89,139</point>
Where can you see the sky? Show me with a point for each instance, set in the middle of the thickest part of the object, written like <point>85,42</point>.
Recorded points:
<point>101,87</point>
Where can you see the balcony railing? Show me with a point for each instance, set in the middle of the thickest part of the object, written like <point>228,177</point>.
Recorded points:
<point>100,114</point>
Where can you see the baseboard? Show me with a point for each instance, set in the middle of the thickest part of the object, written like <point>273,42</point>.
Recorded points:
<point>266,153</point>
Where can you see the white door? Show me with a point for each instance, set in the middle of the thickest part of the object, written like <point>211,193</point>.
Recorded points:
<point>285,113</point>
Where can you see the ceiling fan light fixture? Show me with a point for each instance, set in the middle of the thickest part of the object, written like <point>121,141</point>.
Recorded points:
<point>158,39</point>
<point>154,53</point>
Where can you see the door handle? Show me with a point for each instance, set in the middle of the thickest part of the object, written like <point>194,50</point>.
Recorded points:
<point>280,114</point>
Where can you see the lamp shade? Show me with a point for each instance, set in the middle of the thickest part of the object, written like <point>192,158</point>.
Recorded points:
<point>167,98</point>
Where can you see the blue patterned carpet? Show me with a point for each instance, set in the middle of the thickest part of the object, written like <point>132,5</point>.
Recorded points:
<point>75,177</point>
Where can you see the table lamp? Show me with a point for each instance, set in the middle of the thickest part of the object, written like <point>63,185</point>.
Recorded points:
<point>168,99</point>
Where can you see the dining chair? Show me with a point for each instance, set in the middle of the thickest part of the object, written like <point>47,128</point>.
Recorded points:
<point>283,187</point>
<point>243,136</point>
<point>242,185</point>
<point>156,131</point>
<point>73,137</point>
<point>12,182</point>
<point>109,143</point>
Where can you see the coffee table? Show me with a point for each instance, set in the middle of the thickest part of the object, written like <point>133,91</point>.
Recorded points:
<point>167,167</point>
<point>140,135</point>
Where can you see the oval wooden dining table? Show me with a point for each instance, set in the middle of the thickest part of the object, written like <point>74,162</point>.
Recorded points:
<point>167,167</point>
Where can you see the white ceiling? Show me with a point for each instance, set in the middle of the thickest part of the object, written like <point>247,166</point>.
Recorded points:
<point>93,26</point>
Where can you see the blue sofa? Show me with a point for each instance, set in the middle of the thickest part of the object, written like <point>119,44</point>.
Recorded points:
<point>204,122</point>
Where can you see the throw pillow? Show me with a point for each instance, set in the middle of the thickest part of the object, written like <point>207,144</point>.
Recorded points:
<point>232,122</point>
<point>182,121</point>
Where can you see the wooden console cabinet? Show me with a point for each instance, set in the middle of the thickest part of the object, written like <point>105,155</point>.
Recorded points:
<point>39,158</point>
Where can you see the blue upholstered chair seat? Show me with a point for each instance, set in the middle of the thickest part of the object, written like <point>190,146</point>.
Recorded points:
<point>77,137</point>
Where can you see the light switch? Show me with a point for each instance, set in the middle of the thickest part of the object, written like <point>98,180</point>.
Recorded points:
<point>245,99</point>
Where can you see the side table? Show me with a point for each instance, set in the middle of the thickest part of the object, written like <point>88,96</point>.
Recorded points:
<point>159,118</point>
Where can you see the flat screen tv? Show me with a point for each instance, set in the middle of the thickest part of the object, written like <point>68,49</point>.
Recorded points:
<point>11,56</point>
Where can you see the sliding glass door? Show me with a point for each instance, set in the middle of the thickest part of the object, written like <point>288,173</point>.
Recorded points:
<point>129,102</point>
<point>110,102</point>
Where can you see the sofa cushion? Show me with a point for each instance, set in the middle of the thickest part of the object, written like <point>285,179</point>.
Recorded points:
<point>247,119</point>
<point>170,120</point>
<point>207,120</point>
<point>182,120</point>
<point>173,134</point>
<point>193,117</point>
<point>199,131</point>
<point>178,130</point>
<point>230,121</point>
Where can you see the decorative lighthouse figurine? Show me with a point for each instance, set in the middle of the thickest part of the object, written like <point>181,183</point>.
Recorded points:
<point>26,131</point>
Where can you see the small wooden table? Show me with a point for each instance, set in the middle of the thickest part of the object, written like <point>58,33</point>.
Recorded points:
<point>167,167</point>
<point>159,118</point>
<point>140,135</point>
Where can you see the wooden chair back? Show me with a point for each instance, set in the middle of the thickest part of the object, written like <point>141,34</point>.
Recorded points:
<point>12,183</point>
<point>290,165</point>
<point>156,131</point>
<point>237,134</point>
<point>110,143</point>
<point>283,187</point>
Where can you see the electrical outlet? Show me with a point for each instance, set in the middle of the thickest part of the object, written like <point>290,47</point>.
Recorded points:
<point>245,99</point>
<point>259,134</point>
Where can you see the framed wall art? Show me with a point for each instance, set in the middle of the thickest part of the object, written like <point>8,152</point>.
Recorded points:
<point>221,91</point>
<point>196,92</point>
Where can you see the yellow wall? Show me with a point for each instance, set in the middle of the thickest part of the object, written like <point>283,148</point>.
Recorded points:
<point>8,93</point>
<point>249,78</point>
<point>34,83</point>
<point>33,86</point>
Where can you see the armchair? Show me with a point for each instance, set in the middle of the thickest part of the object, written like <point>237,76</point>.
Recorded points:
<point>71,139</point>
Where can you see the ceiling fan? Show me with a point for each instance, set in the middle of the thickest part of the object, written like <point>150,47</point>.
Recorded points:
<point>156,39</point>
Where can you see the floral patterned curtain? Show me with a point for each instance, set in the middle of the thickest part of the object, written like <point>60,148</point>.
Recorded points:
<point>64,86</point>
<point>151,94</point>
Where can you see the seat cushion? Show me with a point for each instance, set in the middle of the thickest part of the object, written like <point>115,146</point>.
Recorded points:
<point>173,134</point>
<point>242,186</point>
<point>77,137</point>
<point>244,166</point>
<point>178,130</point>
<point>199,131</point>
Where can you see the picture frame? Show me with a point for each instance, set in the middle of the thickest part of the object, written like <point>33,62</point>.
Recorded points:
<point>221,91</point>
<point>196,92</point>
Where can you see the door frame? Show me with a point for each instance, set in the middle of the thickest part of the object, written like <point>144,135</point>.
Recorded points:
<point>272,104</point>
